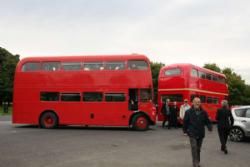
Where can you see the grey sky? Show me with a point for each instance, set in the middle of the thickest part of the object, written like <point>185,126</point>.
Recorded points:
<point>168,31</point>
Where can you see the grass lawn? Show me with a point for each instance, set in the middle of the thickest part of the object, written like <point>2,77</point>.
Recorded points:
<point>9,111</point>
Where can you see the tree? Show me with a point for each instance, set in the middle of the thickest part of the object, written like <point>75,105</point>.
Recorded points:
<point>155,69</point>
<point>8,63</point>
<point>247,95</point>
<point>236,87</point>
<point>212,66</point>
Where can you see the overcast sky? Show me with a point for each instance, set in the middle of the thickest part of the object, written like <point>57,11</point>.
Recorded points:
<point>167,31</point>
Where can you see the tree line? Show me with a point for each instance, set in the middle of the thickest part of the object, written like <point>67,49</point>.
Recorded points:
<point>8,63</point>
<point>239,91</point>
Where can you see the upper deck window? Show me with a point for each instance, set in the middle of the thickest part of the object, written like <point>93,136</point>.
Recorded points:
<point>194,73</point>
<point>173,72</point>
<point>116,65</point>
<point>202,75</point>
<point>93,66</point>
<point>137,65</point>
<point>50,66</point>
<point>31,66</point>
<point>221,80</point>
<point>215,78</point>
<point>209,76</point>
<point>70,66</point>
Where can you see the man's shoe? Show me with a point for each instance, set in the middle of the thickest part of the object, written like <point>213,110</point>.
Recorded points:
<point>222,148</point>
<point>225,151</point>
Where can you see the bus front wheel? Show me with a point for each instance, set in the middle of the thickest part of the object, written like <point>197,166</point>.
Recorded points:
<point>140,123</point>
<point>48,120</point>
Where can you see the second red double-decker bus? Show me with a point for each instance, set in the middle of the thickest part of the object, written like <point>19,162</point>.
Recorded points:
<point>186,81</point>
<point>84,90</point>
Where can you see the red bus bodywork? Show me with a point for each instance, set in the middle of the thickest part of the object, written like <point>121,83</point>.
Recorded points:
<point>29,88</point>
<point>185,83</point>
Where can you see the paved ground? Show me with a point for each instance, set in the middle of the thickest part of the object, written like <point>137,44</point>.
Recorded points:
<point>29,146</point>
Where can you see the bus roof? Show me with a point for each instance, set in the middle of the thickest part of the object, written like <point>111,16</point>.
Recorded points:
<point>191,65</point>
<point>85,58</point>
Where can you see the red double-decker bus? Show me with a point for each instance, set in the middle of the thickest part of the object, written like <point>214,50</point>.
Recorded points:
<point>84,90</point>
<point>186,81</point>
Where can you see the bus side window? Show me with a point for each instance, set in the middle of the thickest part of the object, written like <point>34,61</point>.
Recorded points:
<point>215,100</point>
<point>215,78</point>
<point>222,80</point>
<point>50,66</point>
<point>208,76</point>
<point>71,66</point>
<point>115,66</point>
<point>49,96</point>
<point>70,97</point>
<point>193,96</point>
<point>137,65</point>
<point>209,100</point>
<point>194,73</point>
<point>115,97</point>
<point>31,66</point>
<point>202,75</point>
<point>93,66</point>
<point>173,72</point>
<point>172,97</point>
<point>145,95</point>
<point>92,96</point>
<point>203,98</point>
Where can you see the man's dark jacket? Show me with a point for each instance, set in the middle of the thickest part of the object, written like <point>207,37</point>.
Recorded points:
<point>194,124</point>
<point>224,118</point>
<point>165,110</point>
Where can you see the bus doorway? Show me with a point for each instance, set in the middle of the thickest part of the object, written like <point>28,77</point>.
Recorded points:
<point>133,99</point>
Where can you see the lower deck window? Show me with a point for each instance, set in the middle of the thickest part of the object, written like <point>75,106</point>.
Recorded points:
<point>49,96</point>
<point>204,99</point>
<point>92,96</point>
<point>172,97</point>
<point>145,95</point>
<point>114,97</point>
<point>70,97</point>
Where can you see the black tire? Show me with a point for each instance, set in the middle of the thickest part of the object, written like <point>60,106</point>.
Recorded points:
<point>49,120</point>
<point>236,134</point>
<point>140,122</point>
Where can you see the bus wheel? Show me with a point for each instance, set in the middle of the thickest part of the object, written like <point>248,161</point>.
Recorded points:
<point>140,122</point>
<point>49,120</point>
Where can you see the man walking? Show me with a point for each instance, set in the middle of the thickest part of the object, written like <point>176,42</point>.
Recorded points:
<point>225,121</point>
<point>165,112</point>
<point>184,108</point>
<point>194,123</point>
<point>173,115</point>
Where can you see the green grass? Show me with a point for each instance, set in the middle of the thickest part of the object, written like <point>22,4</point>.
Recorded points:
<point>9,111</point>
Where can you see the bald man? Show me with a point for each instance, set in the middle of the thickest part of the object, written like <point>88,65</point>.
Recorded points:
<point>195,120</point>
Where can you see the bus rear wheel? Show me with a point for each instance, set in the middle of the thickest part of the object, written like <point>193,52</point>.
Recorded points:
<point>48,120</point>
<point>140,123</point>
